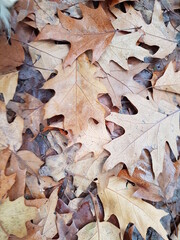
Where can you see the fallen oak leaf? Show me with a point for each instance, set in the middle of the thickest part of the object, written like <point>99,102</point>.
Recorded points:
<point>8,84</point>
<point>120,82</point>
<point>6,182</point>
<point>99,231</point>
<point>47,55</point>
<point>117,199</point>
<point>11,56</point>
<point>76,90</point>
<point>120,49</point>
<point>14,215</point>
<point>155,33</point>
<point>32,111</point>
<point>170,81</point>
<point>10,134</point>
<point>90,33</point>
<point>148,129</point>
<point>92,139</point>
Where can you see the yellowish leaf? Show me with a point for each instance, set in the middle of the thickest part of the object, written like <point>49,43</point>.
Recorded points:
<point>8,84</point>
<point>14,215</point>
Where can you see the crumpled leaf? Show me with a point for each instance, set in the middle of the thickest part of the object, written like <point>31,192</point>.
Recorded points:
<point>155,34</point>
<point>10,134</point>
<point>90,33</point>
<point>8,84</point>
<point>14,215</point>
<point>148,129</point>
<point>170,81</point>
<point>99,231</point>
<point>76,95</point>
<point>120,49</point>
<point>117,199</point>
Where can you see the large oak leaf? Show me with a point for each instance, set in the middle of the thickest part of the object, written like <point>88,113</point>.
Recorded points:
<point>149,129</point>
<point>93,32</point>
<point>117,199</point>
<point>155,34</point>
<point>76,95</point>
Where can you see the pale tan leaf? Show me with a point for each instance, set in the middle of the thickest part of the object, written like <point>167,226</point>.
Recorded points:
<point>50,228</point>
<point>120,49</point>
<point>120,82</point>
<point>148,129</point>
<point>92,139</point>
<point>10,134</point>
<point>170,81</point>
<point>117,199</point>
<point>155,34</point>
<point>8,84</point>
<point>99,231</point>
<point>47,55</point>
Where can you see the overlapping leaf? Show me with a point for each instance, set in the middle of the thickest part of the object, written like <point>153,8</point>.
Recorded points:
<point>76,95</point>
<point>117,199</point>
<point>148,129</point>
<point>90,33</point>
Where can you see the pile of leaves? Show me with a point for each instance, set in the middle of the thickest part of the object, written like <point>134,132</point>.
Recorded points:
<point>89,130</point>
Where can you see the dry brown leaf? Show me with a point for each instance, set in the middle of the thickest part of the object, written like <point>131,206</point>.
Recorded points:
<point>76,95</point>
<point>4,156</point>
<point>10,134</point>
<point>120,49</point>
<point>170,81</point>
<point>11,56</point>
<point>17,189</point>
<point>6,182</point>
<point>148,129</point>
<point>46,56</point>
<point>90,33</point>
<point>38,186</point>
<point>8,84</point>
<point>99,231</point>
<point>117,199</point>
<point>14,215</point>
<point>155,34</point>
<point>29,161</point>
<point>32,111</point>
<point>55,166</point>
<point>92,139</point>
<point>120,82</point>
